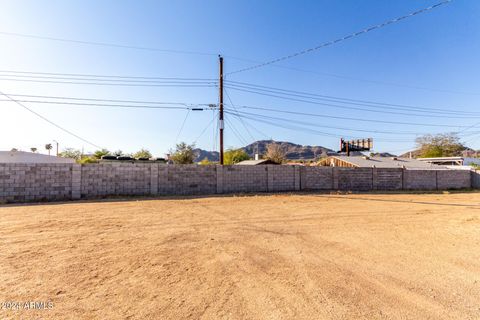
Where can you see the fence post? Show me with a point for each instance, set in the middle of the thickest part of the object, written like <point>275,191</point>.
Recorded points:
<point>219,173</point>
<point>76,181</point>
<point>154,178</point>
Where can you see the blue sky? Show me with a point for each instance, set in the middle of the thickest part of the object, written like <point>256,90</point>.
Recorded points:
<point>430,60</point>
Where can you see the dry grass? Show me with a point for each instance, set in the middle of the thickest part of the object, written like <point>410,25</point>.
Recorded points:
<point>262,257</point>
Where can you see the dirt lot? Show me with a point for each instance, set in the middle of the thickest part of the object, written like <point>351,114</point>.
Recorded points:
<point>253,257</point>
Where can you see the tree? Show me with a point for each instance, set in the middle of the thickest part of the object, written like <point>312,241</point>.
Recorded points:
<point>275,153</point>
<point>142,153</point>
<point>183,153</point>
<point>118,153</point>
<point>33,149</point>
<point>49,147</point>
<point>232,156</point>
<point>71,153</point>
<point>205,161</point>
<point>439,145</point>
<point>100,153</point>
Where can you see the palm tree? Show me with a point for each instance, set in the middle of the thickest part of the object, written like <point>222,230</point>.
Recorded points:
<point>49,147</point>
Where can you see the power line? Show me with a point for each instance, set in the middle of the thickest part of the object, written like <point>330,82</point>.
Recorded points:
<point>102,76</point>
<point>205,85</point>
<point>308,130</point>
<point>350,107</point>
<point>236,132</point>
<point>241,120</point>
<point>51,122</point>
<point>205,129</point>
<point>337,99</point>
<point>108,100</point>
<point>175,81</point>
<point>107,105</point>
<point>181,127</point>
<point>352,35</point>
<point>353,119</point>
<point>106,44</point>
<point>339,76</point>
<point>326,126</point>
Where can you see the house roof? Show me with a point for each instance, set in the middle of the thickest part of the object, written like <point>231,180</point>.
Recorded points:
<point>255,162</point>
<point>381,162</point>
<point>30,157</point>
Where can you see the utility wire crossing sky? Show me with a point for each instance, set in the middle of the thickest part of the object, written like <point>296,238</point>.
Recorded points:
<point>118,95</point>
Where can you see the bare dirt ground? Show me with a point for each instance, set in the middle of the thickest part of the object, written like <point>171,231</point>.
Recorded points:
<point>247,257</point>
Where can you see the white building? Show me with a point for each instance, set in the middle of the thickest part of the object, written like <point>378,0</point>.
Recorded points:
<point>30,157</point>
<point>452,161</point>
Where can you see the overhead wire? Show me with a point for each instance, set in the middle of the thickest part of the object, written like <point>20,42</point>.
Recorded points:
<point>50,122</point>
<point>89,75</point>
<point>337,99</point>
<point>349,36</point>
<point>309,130</point>
<point>235,131</point>
<point>241,120</point>
<point>327,126</point>
<point>192,85</point>
<point>110,100</point>
<point>106,44</point>
<point>350,118</point>
<point>349,107</point>
<point>181,127</point>
<point>83,104</point>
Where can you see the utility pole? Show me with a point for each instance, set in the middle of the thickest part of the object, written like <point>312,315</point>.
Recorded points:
<point>220,124</point>
<point>57,146</point>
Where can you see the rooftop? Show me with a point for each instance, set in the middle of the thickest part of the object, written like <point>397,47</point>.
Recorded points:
<point>378,162</point>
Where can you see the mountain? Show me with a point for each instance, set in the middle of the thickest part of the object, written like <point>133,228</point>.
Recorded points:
<point>382,154</point>
<point>293,151</point>
<point>201,154</point>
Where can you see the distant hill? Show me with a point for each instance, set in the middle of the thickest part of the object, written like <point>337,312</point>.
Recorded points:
<point>201,154</point>
<point>382,154</point>
<point>293,151</point>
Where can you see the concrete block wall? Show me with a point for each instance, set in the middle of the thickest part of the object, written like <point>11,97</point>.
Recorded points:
<point>387,178</point>
<point>317,178</point>
<point>245,179</point>
<point>117,179</point>
<point>360,179</point>
<point>187,179</point>
<point>38,182</point>
<point>21,182</point>
<point>420,179</point>
<point>475,177</point>
<point>453,179</point>
<point>282,178</point>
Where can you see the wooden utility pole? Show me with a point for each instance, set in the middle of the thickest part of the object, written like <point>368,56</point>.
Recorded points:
<point>220,124</point>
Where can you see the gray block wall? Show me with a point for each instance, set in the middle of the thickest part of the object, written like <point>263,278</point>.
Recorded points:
<point>420,179</point>
<point>106,179</point>
<point>318,178</point>
<point>21,182</point>
<point>39,182</point>
<point>245,179</point>
<point>360,179</point>
<point>387,178</point>
<point>475,176</point>
<point>186,179</point>
<point>453,179</point>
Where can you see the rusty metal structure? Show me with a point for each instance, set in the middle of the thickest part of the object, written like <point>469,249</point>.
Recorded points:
<point>355,145</point>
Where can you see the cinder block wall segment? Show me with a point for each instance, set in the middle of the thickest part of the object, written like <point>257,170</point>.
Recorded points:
<point>38,182</point>
<point>475,179</point>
